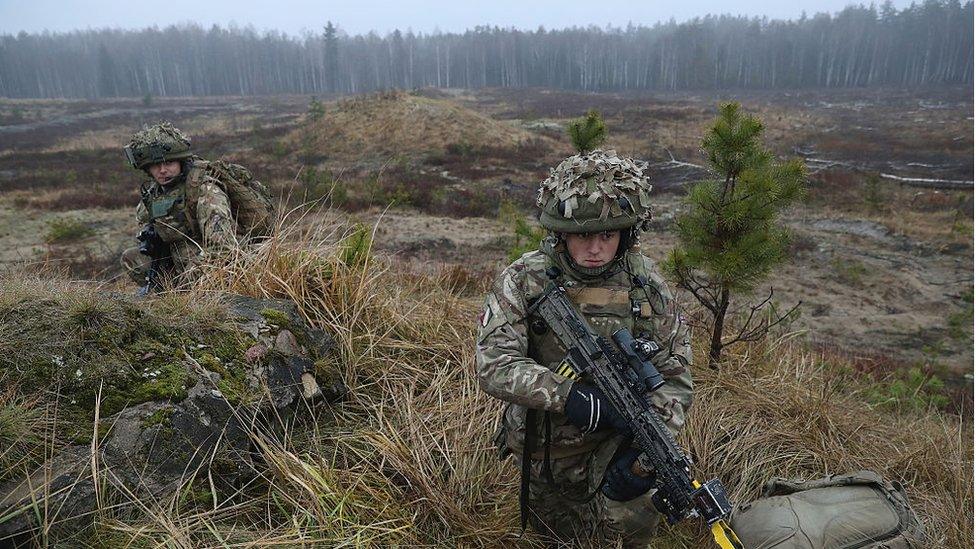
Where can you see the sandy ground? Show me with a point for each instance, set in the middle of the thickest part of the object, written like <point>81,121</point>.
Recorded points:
<point>22,231</point>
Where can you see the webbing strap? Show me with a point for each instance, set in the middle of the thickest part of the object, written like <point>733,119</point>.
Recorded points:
<point>547,457</point>
<point>527,450</point>
<point>724,535</point>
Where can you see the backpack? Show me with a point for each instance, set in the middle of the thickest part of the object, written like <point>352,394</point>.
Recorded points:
<point>250,201</point>
<point>856,510</point>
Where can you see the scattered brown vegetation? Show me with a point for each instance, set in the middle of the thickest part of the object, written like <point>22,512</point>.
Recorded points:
<point>408,460</point>
<point>95,196</point>
<point>396,122</point>
<point>479,162</point>
<point>400,185</point>
<point>78,263</point>
<point>940,218</point>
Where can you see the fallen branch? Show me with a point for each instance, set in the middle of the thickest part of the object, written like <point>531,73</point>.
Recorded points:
<point>678,163</point>
<point>930,183</point>
<point>685,171</point>
<point>817,165</point>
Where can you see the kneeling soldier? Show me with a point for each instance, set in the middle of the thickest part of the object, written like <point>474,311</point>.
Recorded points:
<point>180,223</point>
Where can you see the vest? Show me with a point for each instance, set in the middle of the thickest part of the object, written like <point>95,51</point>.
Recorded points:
<point>167,209</point>
<point>607,305</point>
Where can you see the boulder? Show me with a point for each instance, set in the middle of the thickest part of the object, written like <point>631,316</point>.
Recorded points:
<point>155,442</point>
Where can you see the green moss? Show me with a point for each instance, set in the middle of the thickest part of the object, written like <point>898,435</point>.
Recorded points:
<point>224,357</point>
<point>159,417</point>
<point>234,385</point>
<point>79,428</point>
<point>230,345</point>
<point>167,382</point>
<point>95,348</point>
<point>196,496</point>
<point>276,317</point>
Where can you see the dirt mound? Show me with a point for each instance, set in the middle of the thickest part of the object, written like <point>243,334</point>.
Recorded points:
<point>401,123</point>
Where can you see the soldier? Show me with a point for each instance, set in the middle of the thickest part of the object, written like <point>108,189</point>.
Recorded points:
<point>594,206</point>
<point>189,221</point>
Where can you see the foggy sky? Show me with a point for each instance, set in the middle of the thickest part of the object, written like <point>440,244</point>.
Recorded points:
<point>362,16</point>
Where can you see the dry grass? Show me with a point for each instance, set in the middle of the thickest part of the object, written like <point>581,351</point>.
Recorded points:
<point>407,460</point>
<point>91,140</point>
<point>782,410</point>
<point>400,123</point>
<point>415,436</point>
<point>943,219</point>
<point>114,138</point>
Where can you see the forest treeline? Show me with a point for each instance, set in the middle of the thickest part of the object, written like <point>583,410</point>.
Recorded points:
<point>924,44</point>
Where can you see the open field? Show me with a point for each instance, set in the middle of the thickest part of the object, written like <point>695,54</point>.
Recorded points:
<point>881,268</point>
<point>884,272</point>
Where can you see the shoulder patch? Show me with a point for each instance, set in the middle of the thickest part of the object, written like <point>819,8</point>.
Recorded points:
<point>485,317</point>
<point>491,318</point>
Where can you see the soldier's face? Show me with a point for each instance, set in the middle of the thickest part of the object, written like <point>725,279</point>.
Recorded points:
<point>164,172</point>
<point>592,249</point>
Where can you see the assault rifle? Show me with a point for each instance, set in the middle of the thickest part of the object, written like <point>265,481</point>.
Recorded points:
<point>625,375</point>
<point>152,245</point>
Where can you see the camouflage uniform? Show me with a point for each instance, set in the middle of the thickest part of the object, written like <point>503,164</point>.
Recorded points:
<point>517,356</point>
<point>193,214</point>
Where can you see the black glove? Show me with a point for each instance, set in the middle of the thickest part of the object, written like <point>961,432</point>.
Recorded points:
<point>620,483</point>
<point>588,409</point>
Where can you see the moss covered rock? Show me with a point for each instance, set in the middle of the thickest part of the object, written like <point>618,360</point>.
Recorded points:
<point>177,386</point>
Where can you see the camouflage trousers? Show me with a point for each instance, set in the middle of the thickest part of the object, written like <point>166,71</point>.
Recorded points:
<point>557,510</point>
<point>136,264</point>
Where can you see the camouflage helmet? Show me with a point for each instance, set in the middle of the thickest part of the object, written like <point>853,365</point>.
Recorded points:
<point>157,143</point>
<point>593,192</point>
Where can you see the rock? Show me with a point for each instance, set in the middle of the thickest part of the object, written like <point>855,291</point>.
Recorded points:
<point>310,387</point>
<point>255,353</point>
<point>152,448</point>
<point>286,343</point>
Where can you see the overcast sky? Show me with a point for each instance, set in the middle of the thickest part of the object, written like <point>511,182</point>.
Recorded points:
<point>361,16</point>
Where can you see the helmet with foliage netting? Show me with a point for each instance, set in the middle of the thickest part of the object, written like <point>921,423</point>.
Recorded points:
<point>593,192</point>
<point>157,143</point>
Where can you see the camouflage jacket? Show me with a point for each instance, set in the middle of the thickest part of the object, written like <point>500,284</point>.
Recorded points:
<point>195,210</point>
<point>516,355</point>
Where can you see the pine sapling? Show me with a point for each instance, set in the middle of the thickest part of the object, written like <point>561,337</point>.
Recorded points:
<point>729,236</point>
<point>588,132</point>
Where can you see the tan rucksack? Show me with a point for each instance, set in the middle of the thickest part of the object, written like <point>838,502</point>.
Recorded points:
<point>250,201</point>
<point>858,509</point>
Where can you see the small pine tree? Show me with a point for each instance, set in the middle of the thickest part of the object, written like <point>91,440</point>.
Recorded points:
<point>729,238</point>
<point>588,132</point>
<point>316,110</point>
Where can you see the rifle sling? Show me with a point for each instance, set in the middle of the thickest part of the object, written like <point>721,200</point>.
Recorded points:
<point>547,458</point>
<point>527,450</point>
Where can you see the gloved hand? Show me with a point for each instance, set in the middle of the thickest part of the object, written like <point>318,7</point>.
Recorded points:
<point>620,483</point>
<point>588,409</point>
